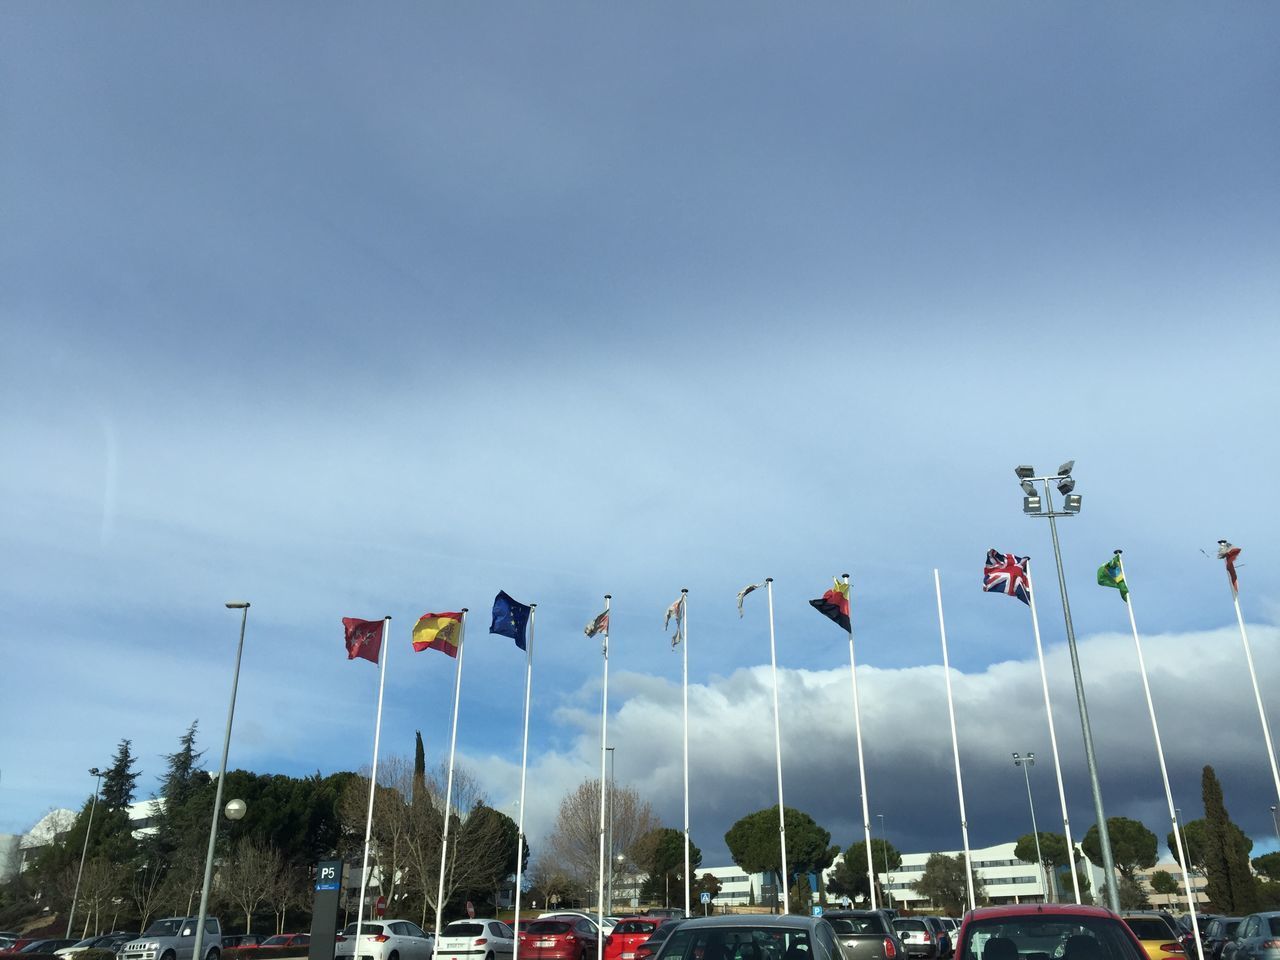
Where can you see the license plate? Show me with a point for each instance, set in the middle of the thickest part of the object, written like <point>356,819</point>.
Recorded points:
<point>544,943</point>
<point>628,955</point>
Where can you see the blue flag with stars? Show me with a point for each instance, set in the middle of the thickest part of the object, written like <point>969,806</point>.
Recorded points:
<point>510,618</point>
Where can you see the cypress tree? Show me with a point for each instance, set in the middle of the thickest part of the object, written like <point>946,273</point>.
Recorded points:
<point>419,769</point>
<point>119,780</point>
<point>1230,882</point>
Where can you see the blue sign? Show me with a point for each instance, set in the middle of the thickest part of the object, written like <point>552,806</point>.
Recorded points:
<point>705,897</point>
<point>817,909</point>
<point>329,885</point>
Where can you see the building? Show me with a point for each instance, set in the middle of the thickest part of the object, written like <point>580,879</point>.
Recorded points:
<point>1176,902</point>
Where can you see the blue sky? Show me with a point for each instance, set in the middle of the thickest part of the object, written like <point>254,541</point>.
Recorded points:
<point>353,312</point>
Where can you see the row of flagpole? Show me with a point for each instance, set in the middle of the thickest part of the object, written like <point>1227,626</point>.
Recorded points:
<point>1003,573</point>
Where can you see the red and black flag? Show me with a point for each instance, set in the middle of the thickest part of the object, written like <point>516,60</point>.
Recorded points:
<point>1228,552</point>
<point>835,605</point>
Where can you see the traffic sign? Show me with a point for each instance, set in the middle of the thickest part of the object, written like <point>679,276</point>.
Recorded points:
<point>817,909</point>
<point>705,897</point>
<point>380,906</point>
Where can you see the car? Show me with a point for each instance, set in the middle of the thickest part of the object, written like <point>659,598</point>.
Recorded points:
<point>1257,938</point>
<point>607,924</point>
<point>1158,936</point>
<point>174,938</point>
<point>657,938</point>
<point>565,937</point>
<point>385,940</point>
<point>866,934</point>
<point>1216,933</point>
<point>752,937</point>
<point>235,940</point>
<point>106,941</point>
<point>283,943</point>
<point>628,934</point>
<point>1046,930</point>
<point>48,945</point>
<point>481,939</point>
<point>924,936</point>
<point>670,913</point>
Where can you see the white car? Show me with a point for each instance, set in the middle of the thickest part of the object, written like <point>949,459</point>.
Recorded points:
<point>476,940</point>
<point>384,940</point>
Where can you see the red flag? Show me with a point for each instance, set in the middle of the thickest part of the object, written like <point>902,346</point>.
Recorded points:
<point>1228,552</point>
<point>364,638</point>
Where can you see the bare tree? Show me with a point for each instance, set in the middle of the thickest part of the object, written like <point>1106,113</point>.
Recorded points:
<point>98,885</point>
<point>248,876</point>
<point>147,891</point>
<point>182,883</point>
<point>288,891</point>
<point>574,844</point>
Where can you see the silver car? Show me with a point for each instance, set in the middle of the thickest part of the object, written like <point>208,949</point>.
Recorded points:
<point>385,940</point>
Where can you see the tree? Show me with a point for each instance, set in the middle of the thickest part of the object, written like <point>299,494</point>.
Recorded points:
<point>800,894</point>
<point>146,891</point>
<point>574,841</point>
<point>1131,894</point>
<point>708,883</point>
<point>849,878</point>
<point>1268,865</point>
<point>247,879</point>
<point>1164,882</point>
<point>119,781</point>
<point>943,883</point>
<point>1053,852</point>
<point>660,855</point>
<point>1133,846</point>
<point>1230,884</point>
<point>753,843</point>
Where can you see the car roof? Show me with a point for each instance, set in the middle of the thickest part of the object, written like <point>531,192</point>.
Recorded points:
<point>1037,909</point>
<point>754,920</point>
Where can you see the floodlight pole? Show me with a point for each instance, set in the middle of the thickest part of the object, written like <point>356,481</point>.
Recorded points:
<point>97,786</point>
<point>1104,835</point>
<point>1025,763</point>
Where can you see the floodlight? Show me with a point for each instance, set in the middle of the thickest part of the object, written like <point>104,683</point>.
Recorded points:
<point>1032,504</point>
<point>1024,471</point>
<point>1031,759</point>
<point>1065,469</point>
<point>1071,504</point>
<point>1066,485</point>
<point>1029,488</point>
<point>1017,760</point>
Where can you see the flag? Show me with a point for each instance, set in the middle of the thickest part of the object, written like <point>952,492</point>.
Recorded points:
<point>1005,573</point>
<point>743,593</point>
<point>1110,575</point>
<point>510,618</point>
<point>438,631</point>
<point>1228,553</point>
<point>363,637</point>
<point>834,604</point>
<point>675,610</point>
<point>599,625</point>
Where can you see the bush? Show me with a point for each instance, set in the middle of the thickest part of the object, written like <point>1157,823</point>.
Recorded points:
<point>258,953</point>
<point>96,954</point>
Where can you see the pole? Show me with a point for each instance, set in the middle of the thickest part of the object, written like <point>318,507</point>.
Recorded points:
<point>198,944</point>
<point>862,771</point>
<point>777,746</point>
<point>683,626</point>
<point>1257,695</point>
<point>1053,738</point>
<point>612,870</point>
<point>1025,764</point>
<point>1275,825</point>
<point>1164,770</point>
<point>955,744</point>
<point>448,789</point>
<point>604,732</point>
<point>884,848</point>
<point>97,784</point>
<point>524,765</point>
<point>1104,835</point>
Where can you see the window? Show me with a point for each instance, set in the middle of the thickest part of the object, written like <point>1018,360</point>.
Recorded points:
<point>1250,928</point>
<point>412,929</point>
<point>1051,937</point>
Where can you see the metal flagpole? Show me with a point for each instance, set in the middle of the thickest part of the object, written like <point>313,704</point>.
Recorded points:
<point>955,744</point>
<point>524,764</point>
<point>604,731</point>
<point>683,625</point>
<point>448,790</point>
<point>1164,770</point>
<point>1053,739</point>
<point>862,771</point>
<point>373,777</point>
<point>777,745</point>
<point>1257,695</point>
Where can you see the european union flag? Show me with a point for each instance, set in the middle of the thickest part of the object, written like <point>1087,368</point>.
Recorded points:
<point>510,618</point>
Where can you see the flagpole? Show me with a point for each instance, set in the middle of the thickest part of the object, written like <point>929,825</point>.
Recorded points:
<point>1257,695</point>
<point>524,764</point>
<point>604,732</point>
<point>448,790</point>
<point>955,743</point>
<point>1053,739</point>
<point>373,776</point>
<point>1164,770</point>
<point>777,746</point>
<point>862,772</point>
<point>683,625</point>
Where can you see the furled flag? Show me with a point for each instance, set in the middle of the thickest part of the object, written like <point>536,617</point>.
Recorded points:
<point>834,604</point>
<point>744,591</point>
<point>1005,573</point>
<point>1110,575</point>
<point>675,610</point>
<point>438,631</point>
<point>599,625</point>
<point>364,638</point>
<point>510,618</point>
<point>1228,553</point>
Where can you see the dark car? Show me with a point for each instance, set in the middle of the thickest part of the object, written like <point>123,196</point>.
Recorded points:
<point>656,939</point>
<point>752,937</point>
<point>1215,934</point>
<point>1257,938</point>
<point>671,913</point>
<point>866,934</point>
<point>48,946</point>
<point>107,941</point>
<point>925,937</point>
<point>1059,931</point>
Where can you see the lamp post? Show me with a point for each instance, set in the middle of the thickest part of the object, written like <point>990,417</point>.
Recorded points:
<point>621,861</point>
<point>884,848</point>
<point>610,853</point>
<point>1026,763</point>
<point>1274,823</point>
<point>95,772</point>
<point>196,947</point>
<point>1034,506</point>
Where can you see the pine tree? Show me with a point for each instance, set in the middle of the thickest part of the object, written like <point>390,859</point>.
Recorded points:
<point>419,789</point>
<point>1230,882</point>
<point>118,783</point>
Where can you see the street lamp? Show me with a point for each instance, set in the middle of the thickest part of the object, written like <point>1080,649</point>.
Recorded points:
<point>884,848</point>
<point>1071,506</point>
<point>71,914</point>
<point>1274,823</point>
<point>621,861</point>
<point>1026,763</point>
<point>196,947</point>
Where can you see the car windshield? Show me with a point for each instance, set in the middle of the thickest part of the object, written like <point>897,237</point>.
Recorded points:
<point>164,928</point>
<point>464,928</point>
<point>548,926</point>
<point>277,941</point>
<point>1148,928</point>
<point>88,943</point>
<point>366,929</point>
<point>636,926</point>
<point>856,925</point>
<point>909,925</point>
<point>737,943</point>
<point>1049,937</point>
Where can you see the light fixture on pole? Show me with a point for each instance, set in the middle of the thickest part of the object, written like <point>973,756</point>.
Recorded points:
<point>196,947</point>
<point>95,772</point>
<point>1071,506</point>
<point>1026,763</point>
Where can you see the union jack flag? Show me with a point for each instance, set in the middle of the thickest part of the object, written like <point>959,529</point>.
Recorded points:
<point>1005,573</point>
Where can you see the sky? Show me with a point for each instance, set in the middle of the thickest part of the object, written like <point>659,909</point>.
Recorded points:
<point>352,311</point>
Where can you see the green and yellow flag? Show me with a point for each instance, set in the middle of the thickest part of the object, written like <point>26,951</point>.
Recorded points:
<point>1110,575</point>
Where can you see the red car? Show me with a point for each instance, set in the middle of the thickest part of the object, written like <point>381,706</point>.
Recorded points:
<point>1061,931</point>
<point>286,942</point>
<point>628,934</point>
<point>560,938</point>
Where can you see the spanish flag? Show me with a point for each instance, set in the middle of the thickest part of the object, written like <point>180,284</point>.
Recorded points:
<point>438,631</point>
